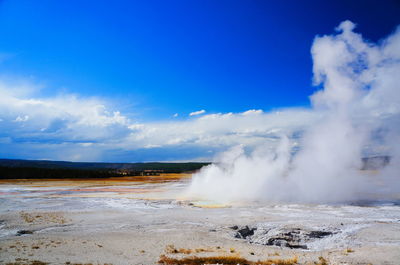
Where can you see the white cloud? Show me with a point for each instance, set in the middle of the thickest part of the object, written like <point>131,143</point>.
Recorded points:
<point>223,130</point>
<point>68,124</point>
<point>86,144</point>
<point>195,113</point>
<point>22,119</point>
<point>73,122</point>
<point>252,112</point>
<point>64,117</point>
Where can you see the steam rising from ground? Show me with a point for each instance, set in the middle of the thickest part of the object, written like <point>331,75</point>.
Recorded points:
<point>360,105</point>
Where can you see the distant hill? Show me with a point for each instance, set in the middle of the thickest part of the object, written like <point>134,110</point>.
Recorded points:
<point>21,169</point>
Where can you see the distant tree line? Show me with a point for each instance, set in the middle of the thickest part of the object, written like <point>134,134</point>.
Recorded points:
<point>28,169</point>
<point>53,173</point>
<point>39,169</point>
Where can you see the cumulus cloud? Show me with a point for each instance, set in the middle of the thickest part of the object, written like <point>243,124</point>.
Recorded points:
<point>222,130</point>
<point>61,119</point>
<point>195,113</point>
<point>68,108</point>
<point>69,127</point>
<point>72,127</point>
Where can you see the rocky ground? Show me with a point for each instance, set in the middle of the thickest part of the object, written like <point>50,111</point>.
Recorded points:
<point>114,230</point>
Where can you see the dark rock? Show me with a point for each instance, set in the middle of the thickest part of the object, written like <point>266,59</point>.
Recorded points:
<point>290,239</point>
<point>212,230</point>
<point>24,232</point>
<point>285,242</point>
<point>294,238</point>
<point>245,232</point>
<point>297,246</point>
<point>235,227</point>
<point>319,234</point>
<point>280,242</point>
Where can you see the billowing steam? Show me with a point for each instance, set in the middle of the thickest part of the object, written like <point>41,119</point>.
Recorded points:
<point>360,106</point>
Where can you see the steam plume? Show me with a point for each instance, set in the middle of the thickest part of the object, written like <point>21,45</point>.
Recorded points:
<point>359,105</point>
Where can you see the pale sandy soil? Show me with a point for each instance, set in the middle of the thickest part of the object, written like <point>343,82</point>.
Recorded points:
<point>120,229</point>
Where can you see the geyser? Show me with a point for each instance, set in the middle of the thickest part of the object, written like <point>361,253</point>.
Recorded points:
<point>359,106</point>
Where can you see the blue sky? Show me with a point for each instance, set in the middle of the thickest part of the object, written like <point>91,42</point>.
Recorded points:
<point>144,61</point>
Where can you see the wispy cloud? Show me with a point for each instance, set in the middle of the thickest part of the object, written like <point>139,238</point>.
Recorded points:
<point>195,113</point>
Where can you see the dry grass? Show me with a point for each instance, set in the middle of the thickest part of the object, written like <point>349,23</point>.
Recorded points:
<point>321,261</point>
<point>170,249</point>
<point>200,250</point>
<point>79,263</point>
<point>349,250</point>
<point>224,260</point>
<point>69,263</point>
<point>33,262</point>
